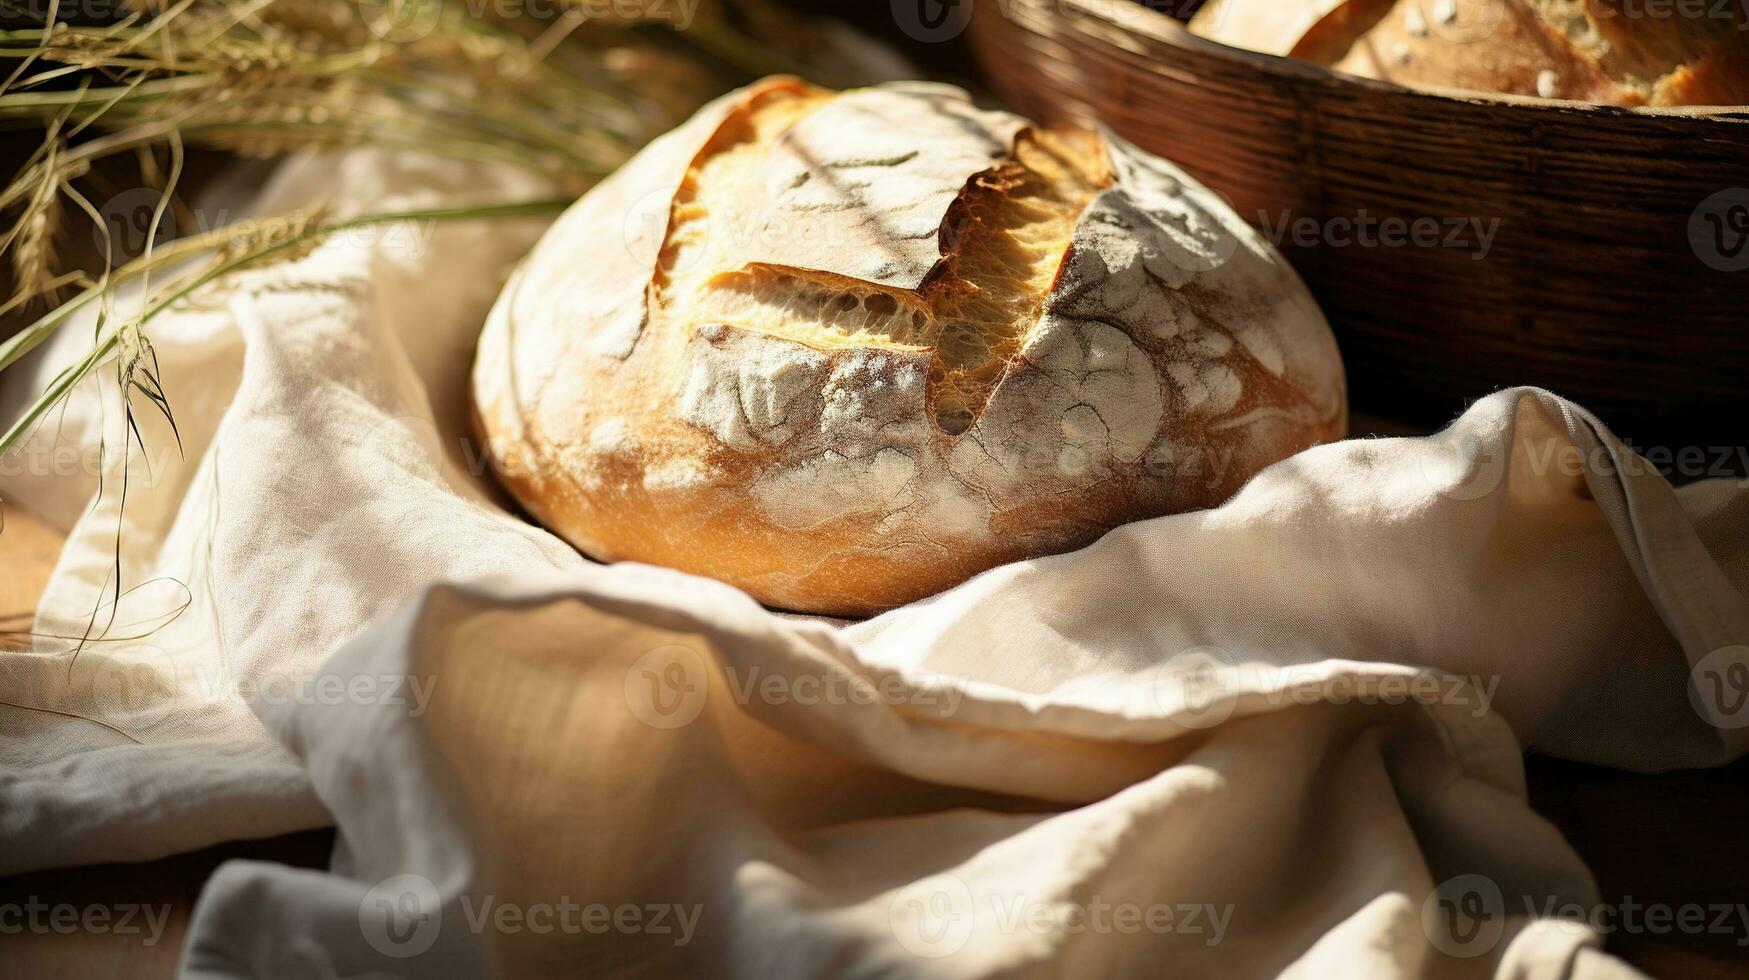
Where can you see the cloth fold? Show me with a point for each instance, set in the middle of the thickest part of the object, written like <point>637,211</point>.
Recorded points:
<point>1281,737</point>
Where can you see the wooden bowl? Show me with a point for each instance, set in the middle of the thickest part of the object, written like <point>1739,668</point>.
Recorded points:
<point>1616,272</point>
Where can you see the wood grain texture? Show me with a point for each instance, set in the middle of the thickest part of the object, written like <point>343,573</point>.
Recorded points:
<point>1670,840</point>
<point>28,550</point>
<point>1590,286</point>
<point>36,945</point>
<point>104,928</point>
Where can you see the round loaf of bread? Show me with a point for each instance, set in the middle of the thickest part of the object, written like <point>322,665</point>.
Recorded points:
<point>845,350</point>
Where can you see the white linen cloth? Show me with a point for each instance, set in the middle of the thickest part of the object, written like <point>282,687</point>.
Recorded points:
<point>1282,737</point>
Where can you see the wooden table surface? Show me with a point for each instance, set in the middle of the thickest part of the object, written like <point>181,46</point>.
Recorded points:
<point>1672,839</point>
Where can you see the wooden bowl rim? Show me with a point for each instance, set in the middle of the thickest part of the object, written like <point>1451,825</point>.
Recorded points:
<point>1142,19</point>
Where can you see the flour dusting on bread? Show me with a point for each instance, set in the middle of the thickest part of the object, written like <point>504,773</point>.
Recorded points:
<point>889,339</point>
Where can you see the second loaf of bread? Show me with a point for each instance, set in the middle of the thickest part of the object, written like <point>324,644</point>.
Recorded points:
<point>1618,52</point>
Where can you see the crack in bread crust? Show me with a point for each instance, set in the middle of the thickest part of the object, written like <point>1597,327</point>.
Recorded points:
<point>995,249</point>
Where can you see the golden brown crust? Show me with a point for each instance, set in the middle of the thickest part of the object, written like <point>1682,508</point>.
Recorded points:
<point>1719,80</point>
<point>1489,45</point>
<point>1269,26</point>
<point>1616,52</point>
<point>892,340</point>
<point>1329,40</point>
